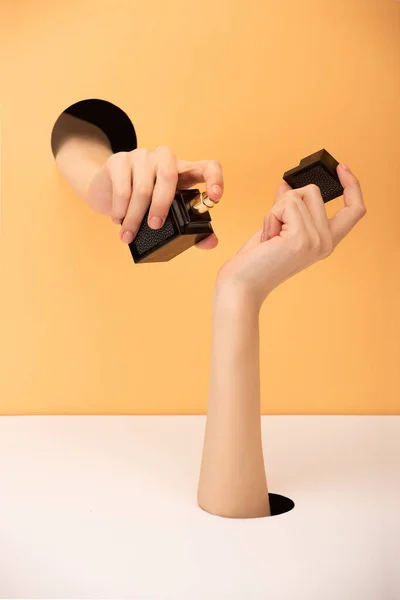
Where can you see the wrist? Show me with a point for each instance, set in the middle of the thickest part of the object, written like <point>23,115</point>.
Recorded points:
<point>232,299</point>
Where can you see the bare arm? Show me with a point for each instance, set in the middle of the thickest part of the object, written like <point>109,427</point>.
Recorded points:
<point>296,233</point>
<point>232,479</point>
<point>81,150</point>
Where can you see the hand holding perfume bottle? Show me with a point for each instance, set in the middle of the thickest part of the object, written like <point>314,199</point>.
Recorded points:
<point>295,234</point>
<point>130,187</point>
<point>144,184</point>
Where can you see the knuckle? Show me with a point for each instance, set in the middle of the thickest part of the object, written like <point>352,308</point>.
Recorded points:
<point>362,211</point>
<point>312,187</point>
<point>168,175</point>
<point>139,152</point>
<point>144,190</point>
<point>292,197</point>
<point>316,245</point>
<point>114,158</point>
<point>164,149</point>
<point>326,245</point>
<point>112,161</point>
<point>115,165</point>
<point>122,193</point>
<point>215,165</point>
<point>310,245</point>
<point>328,248</point>
<point>302,242</point>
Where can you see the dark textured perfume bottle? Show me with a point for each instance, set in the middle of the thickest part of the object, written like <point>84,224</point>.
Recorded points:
<point>188,222</point>
<point>318,168</point>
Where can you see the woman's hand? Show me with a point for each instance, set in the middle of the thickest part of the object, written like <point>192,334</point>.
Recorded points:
<point>296,233</point>
<point>131,182</point>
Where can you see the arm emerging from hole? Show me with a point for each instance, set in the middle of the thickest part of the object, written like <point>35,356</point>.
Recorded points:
<point>232,479</point>
<point>296,233</point>
<point>81,150</point>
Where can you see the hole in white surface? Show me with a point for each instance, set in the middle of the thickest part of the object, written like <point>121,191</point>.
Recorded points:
<point>108,117</point>
<point>280,505</point>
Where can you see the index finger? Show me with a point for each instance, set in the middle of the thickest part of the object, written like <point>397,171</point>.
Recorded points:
<point>354,208</point>
<point>202,171</point>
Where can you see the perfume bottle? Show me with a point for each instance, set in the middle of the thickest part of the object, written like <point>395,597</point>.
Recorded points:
<point>188,222</point>
<point>318,168</point>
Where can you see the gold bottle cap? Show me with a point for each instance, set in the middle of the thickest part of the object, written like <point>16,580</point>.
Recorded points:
<point>202,203</point>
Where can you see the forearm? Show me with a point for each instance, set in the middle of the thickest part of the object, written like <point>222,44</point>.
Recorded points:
<point>232,479</point>
<point>81,151</point>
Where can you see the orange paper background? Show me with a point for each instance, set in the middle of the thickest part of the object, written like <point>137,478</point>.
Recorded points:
<point>256,85</point>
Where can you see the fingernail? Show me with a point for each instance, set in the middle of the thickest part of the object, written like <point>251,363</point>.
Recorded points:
<point>216,190</point>
<point>155,222</point>
<point>127,237</point>
<point>346,167</point>
<point>116,221</point>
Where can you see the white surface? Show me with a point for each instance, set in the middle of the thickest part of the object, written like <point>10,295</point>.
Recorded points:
<point>105,507</point>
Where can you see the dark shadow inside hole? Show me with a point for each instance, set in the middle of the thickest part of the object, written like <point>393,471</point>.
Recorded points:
<point>113,121</point>
<point>280,504</point>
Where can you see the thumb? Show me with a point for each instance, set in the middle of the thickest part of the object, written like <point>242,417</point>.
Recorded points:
<point>209,243</point>
<point>354,208</point>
